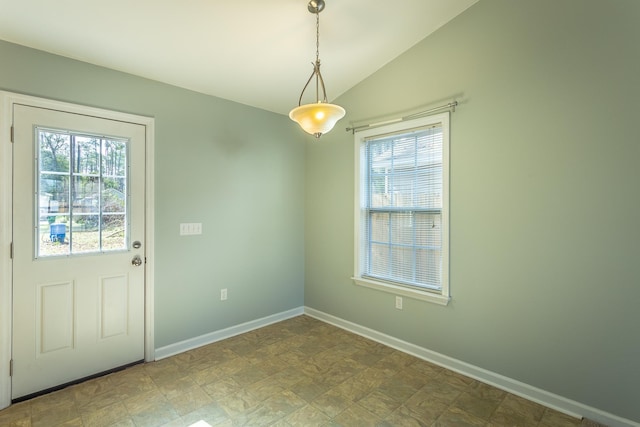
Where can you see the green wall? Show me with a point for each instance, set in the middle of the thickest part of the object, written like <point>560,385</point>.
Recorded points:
<point>545,275</point>
<point>545,199</point>
<point>236,169</point>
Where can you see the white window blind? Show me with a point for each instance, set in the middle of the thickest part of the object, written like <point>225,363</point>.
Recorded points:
<point>402,185</point>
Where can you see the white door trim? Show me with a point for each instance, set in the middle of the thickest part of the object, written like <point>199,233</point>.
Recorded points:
<point>7,100</point>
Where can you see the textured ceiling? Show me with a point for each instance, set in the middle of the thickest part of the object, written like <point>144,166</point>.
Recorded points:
<point>253,52</point>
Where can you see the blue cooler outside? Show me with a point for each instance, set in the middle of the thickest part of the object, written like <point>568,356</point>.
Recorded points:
<point>57,232</point>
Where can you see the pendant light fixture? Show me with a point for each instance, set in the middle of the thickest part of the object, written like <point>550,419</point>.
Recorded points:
<point>317,118</point>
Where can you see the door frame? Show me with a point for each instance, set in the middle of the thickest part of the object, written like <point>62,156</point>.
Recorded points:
<point>7,101</point>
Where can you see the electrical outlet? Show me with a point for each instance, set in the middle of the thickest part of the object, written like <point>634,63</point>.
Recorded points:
<point>223,294</point>
<point>399,303</point>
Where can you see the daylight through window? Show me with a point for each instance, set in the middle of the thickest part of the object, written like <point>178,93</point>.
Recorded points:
<point>81,194</point>
<point>403,206</point>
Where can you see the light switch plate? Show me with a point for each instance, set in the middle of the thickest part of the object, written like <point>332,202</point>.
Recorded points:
<point>190,228</point>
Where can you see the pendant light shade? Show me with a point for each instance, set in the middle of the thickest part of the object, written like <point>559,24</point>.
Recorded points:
<point>319,117</point>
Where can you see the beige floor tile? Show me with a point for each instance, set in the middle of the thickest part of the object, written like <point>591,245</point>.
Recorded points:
<point>307,416</point>
<point>212,414</point>
<point>357,416</point>
<point>525,408</point>
<point>427,368</point>
<point>338,374</point>
<point>153,415</point>
<point>238,403</point>
<point>233,366</point>
<point>75,422</point>
<point>240,345</point>
<point>379,403</point>
<point>355,388</point>
<point>485,391</point>
<point>414,378</point>
<point>299,372</point>
<point>365,358</point>
<point>50,402</point>
<point>142,401</point>
<point>590,423</point>
<point>58,414</point>
<point>455,379</point>
<point>477,406</point>
<point>90,390</point>
<point>167,375</point>
<point>284,403</point>
<point>189,400</point>
<point>128,422</point>
<point>399,388</point>
<point>103,400</point>
<point>505,416</point>
<point>17,415</point>
<point>261,415</point>
<point>270,365</point>
<point>23,422</point>
<point>552,418</point>
<point>308,389</point>
<point>178,422</point>
<point>441,391</point>
<point>150,409</point>
<point>264,389</point>
<point>222,387</point>
<point>134,385</point>
<point>217,354</point>
<point>293,357</point>
<point>454,417</point>
<point>425,406</point>
<point>176,387</point>
<point>291,376</point>
<point>106,416</point>
<point>331,403</point>
<point>404,417</point>
<point>270,350</point>
<point>249,375</point>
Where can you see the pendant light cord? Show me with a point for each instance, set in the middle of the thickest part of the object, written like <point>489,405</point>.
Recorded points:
<point>316,69</point>
<point>317,64</point>
<point>317,36</point>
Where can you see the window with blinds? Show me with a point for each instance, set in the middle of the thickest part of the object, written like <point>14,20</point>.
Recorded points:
<point>403,192</point>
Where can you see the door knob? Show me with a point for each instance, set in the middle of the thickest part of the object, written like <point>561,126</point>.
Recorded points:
<point>137,261</point>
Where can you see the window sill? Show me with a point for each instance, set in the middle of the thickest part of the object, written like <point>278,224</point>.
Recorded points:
<point>403,291</point>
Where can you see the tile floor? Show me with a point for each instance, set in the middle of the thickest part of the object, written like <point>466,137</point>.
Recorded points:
<point>299,372</point>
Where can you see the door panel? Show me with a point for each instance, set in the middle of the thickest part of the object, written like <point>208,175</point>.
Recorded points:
<point>55,318</point>
<point>78,204</point>
<point>114,306</point>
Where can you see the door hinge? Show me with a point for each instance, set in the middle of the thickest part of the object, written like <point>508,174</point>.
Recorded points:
<point>11,133</point>
<point>11,367</point>
<point>11,251</point>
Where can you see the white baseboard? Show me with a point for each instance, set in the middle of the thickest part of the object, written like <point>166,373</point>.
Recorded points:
<point>550,400</point>
<point>190,344</point>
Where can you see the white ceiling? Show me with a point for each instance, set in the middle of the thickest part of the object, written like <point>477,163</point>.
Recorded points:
<point>254,52</point>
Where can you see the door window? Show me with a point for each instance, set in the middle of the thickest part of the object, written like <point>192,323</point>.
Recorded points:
<point>81,194</point>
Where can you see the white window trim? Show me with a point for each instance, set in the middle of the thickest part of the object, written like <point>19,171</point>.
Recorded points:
<point>443,296</point>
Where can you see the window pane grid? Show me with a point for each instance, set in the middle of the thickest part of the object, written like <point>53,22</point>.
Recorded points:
<point>81,193</point>
<point>403,188</point>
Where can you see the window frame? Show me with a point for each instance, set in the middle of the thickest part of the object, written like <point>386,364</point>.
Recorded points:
<point>71,174</point>
<point>441,296</point>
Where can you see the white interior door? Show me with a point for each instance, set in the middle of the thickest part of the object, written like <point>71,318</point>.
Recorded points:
<point>78,247</point>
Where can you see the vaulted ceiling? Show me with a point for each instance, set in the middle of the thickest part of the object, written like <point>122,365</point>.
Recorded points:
<point>253,52</point>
